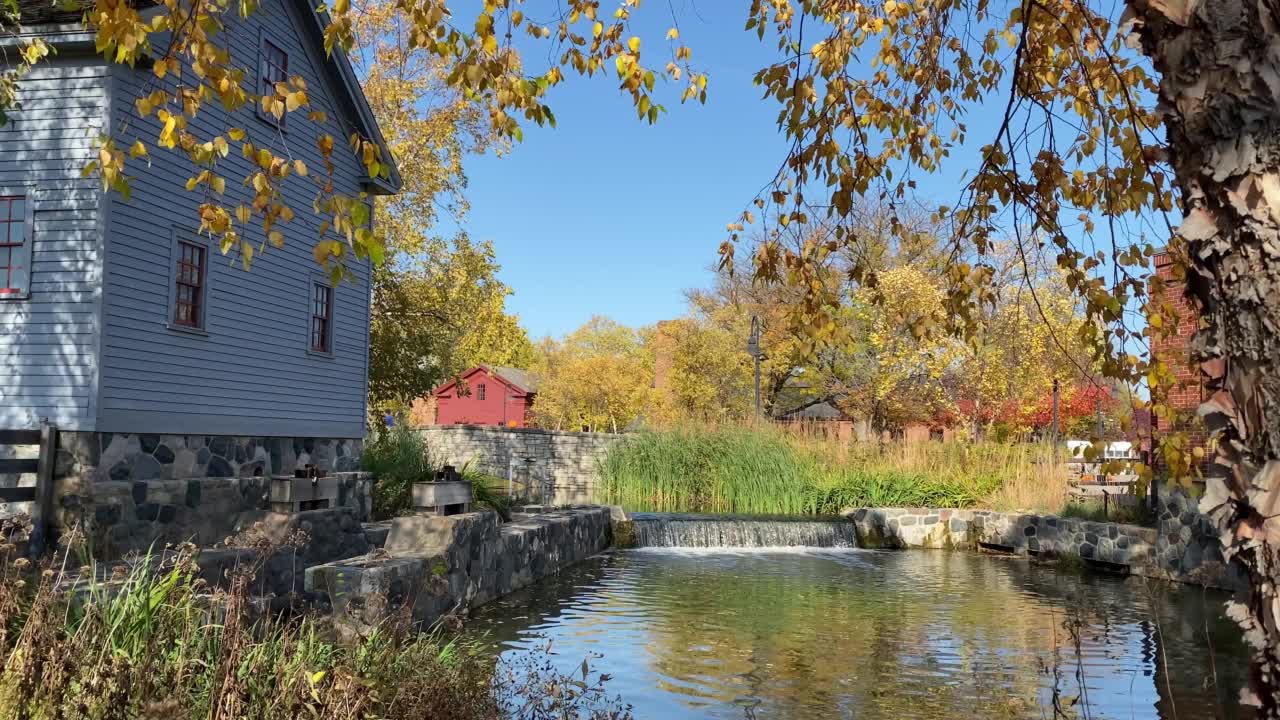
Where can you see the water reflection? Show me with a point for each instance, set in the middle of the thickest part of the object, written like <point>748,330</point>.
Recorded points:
<point>869,634</point>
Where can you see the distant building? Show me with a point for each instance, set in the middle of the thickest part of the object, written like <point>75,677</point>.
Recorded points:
<point>1189,393</point>
<point>486,395</point>
<point>826,419</point>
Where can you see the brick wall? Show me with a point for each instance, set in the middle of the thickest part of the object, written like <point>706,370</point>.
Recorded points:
<point>1187,395</point>
<point>570,460</point>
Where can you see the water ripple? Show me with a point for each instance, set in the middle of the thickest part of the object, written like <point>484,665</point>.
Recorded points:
<point>822,632</point>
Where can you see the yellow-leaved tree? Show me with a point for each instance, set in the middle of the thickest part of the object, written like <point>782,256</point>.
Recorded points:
<point>904,355</point>
<point>438,305</point>
<point>868,97</point>
<point>599,378</point>
<point>1024,342</point>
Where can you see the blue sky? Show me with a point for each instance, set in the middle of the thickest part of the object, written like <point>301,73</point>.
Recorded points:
<point>608,215</point>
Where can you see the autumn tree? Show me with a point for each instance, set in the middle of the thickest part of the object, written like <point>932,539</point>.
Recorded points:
<point>438,305</point>
<point>725,311</point>
<point>435,314</point>
<point>599,378</point>
<point>870,96</point>
<point>903,363</point>
<point>1030,336</point>
<point>707,376</point>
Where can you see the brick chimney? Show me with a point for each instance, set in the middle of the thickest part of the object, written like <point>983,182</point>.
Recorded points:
<point>1187,395</point>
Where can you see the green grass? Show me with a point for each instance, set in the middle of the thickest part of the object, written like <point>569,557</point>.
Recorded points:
<point>767,471</point>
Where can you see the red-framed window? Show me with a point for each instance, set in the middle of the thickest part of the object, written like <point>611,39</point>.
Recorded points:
<point>15,246</point>
<point>274,68</point>
<point>188,288</point>
<point>321,318</point>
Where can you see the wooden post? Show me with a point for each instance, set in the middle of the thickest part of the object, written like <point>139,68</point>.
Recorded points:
<point>42,509</point>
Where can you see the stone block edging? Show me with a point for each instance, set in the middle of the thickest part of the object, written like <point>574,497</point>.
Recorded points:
<point>443,565</point>
<point>1183,548</point>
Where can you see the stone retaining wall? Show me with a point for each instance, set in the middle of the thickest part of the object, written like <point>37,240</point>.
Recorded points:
<point>445,565</point>
<point>327,535</point>
<point>569,459</point>
<point>127,516</point>
<point>1183,548</point>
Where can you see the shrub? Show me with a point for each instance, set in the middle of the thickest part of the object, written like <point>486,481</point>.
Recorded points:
<point>489,491</point>
<point>398,457</point>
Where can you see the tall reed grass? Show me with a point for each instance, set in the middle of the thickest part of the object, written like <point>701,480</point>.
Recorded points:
<point>771,471</point>
<point>153,643</point>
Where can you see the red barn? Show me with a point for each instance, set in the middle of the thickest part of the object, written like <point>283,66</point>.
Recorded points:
<point>486,395</point>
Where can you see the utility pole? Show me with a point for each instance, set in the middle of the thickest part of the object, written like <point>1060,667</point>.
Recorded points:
<point>753,347</point>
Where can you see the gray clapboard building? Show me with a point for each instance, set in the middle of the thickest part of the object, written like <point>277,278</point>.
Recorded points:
<point>156,356</point>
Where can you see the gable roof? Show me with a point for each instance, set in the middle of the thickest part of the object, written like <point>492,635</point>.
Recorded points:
<point>816,411</point>
<point>336,65</point>
<point>518,380</point>
<point>517,377</point>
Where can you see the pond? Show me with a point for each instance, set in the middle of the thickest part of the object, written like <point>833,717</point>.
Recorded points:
<point>827,633</point>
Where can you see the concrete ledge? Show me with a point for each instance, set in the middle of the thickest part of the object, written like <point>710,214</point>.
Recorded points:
<point>436,494</point>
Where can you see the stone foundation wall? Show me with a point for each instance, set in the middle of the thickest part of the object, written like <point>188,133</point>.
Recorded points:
<point>134,516</point>
<point>122,457</point>
<point>133,492</point>
<point>1183,548</point>
<point>445,565</point>
<point>569,459</point>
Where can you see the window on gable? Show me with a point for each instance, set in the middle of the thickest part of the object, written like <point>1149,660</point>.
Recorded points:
<point>15,245</point>
<point>480,391</point>
<point>189,285</point>
<point>321,317</point>
<point>273,67</point>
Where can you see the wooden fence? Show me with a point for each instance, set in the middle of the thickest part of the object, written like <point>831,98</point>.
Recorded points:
<point>35,500</point>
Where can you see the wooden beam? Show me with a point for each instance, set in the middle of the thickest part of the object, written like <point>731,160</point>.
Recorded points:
<point>19,437</point>
<point>42,513</point>
<point>17,494</point>
<point>10,466</point>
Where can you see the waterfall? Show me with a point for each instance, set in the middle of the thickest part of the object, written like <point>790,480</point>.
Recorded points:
<point>706,531</point>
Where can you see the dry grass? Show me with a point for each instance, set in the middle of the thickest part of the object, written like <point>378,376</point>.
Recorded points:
<point>153,643</point>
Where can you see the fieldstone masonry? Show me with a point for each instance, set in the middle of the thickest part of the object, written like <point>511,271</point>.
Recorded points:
<point>443,565</point>
<point>1183,548</point>
<point>123,457</point>
<point>123,517</point>
<point>133,492</point>
<point>570,460</point>
<point>329,535</point>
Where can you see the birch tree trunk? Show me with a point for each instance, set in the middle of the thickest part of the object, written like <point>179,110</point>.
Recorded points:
<point>1219,64</point>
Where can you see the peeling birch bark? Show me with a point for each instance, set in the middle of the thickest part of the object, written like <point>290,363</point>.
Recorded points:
<point>1219,66</point>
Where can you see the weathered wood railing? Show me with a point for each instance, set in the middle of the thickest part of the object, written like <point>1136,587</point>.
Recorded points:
<point>36,500</point>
